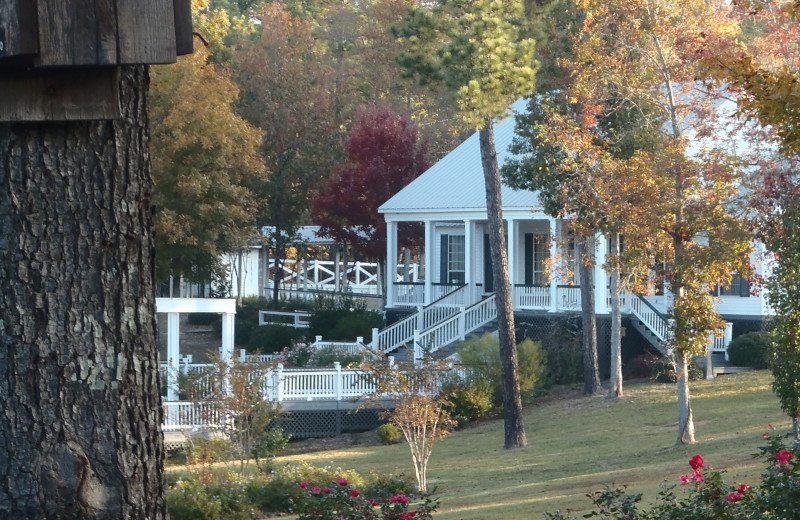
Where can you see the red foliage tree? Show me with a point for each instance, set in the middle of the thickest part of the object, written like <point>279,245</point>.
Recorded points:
<point>384,156</point>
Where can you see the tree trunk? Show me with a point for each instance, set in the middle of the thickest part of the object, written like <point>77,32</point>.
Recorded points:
<point>591,371</point>
<point>80,407</point>
<point>685,421</point>
<point>512,401</point>
<point>616,323</point>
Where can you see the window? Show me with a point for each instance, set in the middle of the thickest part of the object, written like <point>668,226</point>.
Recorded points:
<point>537,256</point>
<point>738,287</point>
<point>456,261</point>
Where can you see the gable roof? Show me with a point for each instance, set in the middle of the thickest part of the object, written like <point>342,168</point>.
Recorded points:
<point>456,181</point>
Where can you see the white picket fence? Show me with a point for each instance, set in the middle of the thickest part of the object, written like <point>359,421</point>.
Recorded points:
<point>321,275</point>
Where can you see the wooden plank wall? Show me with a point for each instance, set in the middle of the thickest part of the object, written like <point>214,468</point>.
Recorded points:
<point>77,32</point>
<point>17,29</point>
<point>146,31</point>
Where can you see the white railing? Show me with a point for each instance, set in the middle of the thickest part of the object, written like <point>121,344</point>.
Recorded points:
<point>440,290</point>
<point>395,334</point>
<point>656,322</point>
<point>298,319</point>
<point>568,297</point>
<point>320,275</point>
<point>531,296</point>
<point>348,347</point>
<point>409,294</point>
<point>480,314</point>
<point>187,415</point>
<point>446,306</point>
<point>457,327</point>
<point>720,343</point>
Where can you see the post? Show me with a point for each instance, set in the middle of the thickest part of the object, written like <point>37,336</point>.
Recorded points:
<point>728,337</point>
<point>600,275</point>
<point>709,367</point>
<point>512,252</point>
<point>317,341</point>
<point>420,318</point>
<point>337,384</point>
<point>417,347</point>
<point>279,383</point>
<point>173,354</point>
<point>462,323</point>
<point>242,355</point>
<point>428,295</point>
<point>553,277</point>
<point>374,343</point>
<point>360,340</point>
<point>468,260</point>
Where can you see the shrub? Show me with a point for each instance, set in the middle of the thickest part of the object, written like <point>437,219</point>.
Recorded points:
<point>466,403</point>
<point>242,331</point>
<point>640,366</point>
<point>268,447</point>
<point>482,356</point>
<point>382,486</point>
<point>202,318</point>
<point>664,371</point>
<point>344,324</point>
<point>325,357</point>
<point>296,355</point>
<point>560,340</point>
<point>750,350</point>
<point>268,339</point>
<point>389,434</point>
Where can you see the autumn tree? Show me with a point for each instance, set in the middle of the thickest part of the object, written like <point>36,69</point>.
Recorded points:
<point>288,92</point>
<point>487,66</point>
<point>204,157</point>
<point>419,407</point>
<point>686,228</point>
<point>762,70</point>
<point>384,155</point>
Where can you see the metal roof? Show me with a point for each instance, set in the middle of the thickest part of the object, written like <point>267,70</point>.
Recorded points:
<point>456,181</point>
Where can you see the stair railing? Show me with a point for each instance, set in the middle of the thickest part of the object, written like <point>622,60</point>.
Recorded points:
<point>655,321</point>
<point>456,327</point>
<point>402,332</point>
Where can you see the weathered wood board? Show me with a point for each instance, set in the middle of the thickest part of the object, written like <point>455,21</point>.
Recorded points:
<point>60,95</point>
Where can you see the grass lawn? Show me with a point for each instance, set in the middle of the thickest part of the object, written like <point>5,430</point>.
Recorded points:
<point>578,444</point>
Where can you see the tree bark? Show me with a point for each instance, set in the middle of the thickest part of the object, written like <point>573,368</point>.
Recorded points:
<point>616,323</point>
<point>685,421</point>
<point>80,407</point>
<point>591,371</point>
<point>512,401</point>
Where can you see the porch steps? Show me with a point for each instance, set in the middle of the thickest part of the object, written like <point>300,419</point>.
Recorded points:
<point>720,366</point>
<point>648,335</point>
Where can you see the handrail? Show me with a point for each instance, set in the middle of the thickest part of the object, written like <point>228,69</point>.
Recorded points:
<point>654,320</point>
<point>443,308</point>
<point>458,326</point>
<point>652,307</point>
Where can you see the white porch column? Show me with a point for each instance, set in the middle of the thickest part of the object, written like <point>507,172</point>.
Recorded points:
<point>226,353</point>
<point>428,262</point>
<point>553,270</point>
<point>468,259</point>
<point>173,354</point>
<point>391,262</point>
<point>513,226</point>
<point>600,275</point>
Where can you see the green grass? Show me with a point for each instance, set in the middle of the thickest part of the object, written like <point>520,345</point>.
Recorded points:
<point>580,444</point>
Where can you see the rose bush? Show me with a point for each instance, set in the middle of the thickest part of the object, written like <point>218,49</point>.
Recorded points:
<point>777,496</point>
<point>342,501</point>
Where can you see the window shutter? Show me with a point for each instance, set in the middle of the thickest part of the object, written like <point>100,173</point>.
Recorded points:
<point>744,287</point>
<point>528,258</point>
<point>443,254</point>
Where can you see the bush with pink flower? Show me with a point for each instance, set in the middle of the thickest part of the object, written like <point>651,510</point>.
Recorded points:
<point>704,494</point>
<point>340,500</point>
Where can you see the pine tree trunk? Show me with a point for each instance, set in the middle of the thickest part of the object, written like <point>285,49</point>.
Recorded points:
<point>512,401</point>
<point>685,421</point>
<point>591,371</point>
<point>616,324</point>
<point>80,408</point>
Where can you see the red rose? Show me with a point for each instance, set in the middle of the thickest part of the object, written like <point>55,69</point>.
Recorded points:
<point>733,497</point>
<point>316,490</point>
<point>696,462</point>
<point>742,489</point>
<point>765,435</point>
<point>697,477</point>
<point>400,499</point>
<point>341,481</point>
<point>684,480</point>
<point>354,493</point>
<point>304,484</point>
<point>404,516</point>
<point>328,490</point>
<point>783,457</point>
<point>373,503</point>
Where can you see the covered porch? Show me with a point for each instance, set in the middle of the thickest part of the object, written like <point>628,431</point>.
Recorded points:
<point>455,254</point>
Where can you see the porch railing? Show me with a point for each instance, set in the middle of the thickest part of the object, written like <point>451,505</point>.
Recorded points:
<point>409,294</point>
<point>531,296</point>
<point>568,297</point>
